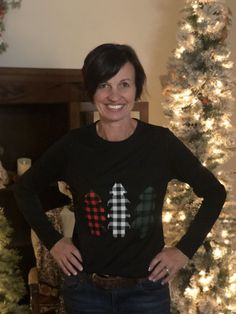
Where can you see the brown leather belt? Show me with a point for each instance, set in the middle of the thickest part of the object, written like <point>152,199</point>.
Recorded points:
<point>109,282</point>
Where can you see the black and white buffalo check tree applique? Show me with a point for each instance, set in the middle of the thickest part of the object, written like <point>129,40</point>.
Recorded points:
<point>118,211</point>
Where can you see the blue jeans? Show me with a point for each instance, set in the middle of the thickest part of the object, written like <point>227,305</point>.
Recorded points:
<point>146,297</point>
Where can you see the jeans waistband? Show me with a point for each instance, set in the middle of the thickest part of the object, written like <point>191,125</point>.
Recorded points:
<point>108,281</point>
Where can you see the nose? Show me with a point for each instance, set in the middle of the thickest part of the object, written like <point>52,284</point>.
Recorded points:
<point>114,94</point>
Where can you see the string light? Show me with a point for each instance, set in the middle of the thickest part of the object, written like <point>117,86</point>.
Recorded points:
<point>209,123</point>
<point>218,253</point>
<point>205,280</point>
<point>219,84</point>
<point>192,40</point>
<point>168,201</point>
<point>228,65</point>
<point>232,287</point>
<point>195,6</point>
<point>218,300</point>
<point>200,19</point>
<point>188,27</point>
<point>182,216</point>
<point>217,87</point>
<point>224,233</point>
<point>167,216</point>
<point>216,151</point>
<point>179,51</point>
<point>226,123</point>
<point>228,293</point>
<point>219,58</point>
<point>192,292</point>
<point>232,278</point>
<point>209,235</point>
<point>197,116</point>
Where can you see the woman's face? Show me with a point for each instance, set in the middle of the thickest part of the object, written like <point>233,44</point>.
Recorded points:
<point>115,98</point>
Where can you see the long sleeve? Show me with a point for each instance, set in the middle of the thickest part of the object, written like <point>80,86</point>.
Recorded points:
<point>186,168</point>
<point>48,169</point>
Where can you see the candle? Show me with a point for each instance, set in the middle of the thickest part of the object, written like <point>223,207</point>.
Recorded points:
<point>23,164</point>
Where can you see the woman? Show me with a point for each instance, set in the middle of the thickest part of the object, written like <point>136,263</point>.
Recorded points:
<point>118,170</point>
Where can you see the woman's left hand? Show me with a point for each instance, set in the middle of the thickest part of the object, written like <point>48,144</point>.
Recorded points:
<point>166,264</point>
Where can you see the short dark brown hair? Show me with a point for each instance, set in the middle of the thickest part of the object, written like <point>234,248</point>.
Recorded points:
<point>105,61</point>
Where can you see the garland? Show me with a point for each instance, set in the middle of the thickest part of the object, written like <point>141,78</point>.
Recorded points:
<point>4,6</point>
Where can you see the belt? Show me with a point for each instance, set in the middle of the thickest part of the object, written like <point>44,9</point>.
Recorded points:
<point>108,281</point>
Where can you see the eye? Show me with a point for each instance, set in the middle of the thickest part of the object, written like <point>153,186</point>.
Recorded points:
<point>102,85</point>
<point>124,84</point>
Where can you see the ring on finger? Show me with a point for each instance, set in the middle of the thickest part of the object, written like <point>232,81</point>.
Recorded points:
<point>167,270</point>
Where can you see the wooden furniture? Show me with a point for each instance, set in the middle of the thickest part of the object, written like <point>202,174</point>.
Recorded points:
<point>38,106</point>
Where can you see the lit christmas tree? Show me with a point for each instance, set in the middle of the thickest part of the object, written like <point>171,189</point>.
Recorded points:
<point>12,287</point>
<point>198,104</point>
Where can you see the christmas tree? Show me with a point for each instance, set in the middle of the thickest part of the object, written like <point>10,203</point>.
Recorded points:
<point>198,104</point>
<point>11,283</point>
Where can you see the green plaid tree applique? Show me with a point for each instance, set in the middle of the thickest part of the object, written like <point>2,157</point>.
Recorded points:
<point>144,212</point>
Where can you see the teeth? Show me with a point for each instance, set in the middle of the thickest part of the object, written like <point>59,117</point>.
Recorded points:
<point>115,106</point>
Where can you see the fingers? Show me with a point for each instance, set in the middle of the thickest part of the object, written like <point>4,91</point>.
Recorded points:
<point>67,256</point>
<point>159,271</point>
<point>168,277</point>
<point>166,264</point>
<point>156,262</point>
<point>71,265</point>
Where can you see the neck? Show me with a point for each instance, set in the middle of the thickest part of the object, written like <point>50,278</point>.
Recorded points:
<point>116,131</point>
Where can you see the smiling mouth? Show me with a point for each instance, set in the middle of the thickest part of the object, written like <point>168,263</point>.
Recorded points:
<point>114,107</point>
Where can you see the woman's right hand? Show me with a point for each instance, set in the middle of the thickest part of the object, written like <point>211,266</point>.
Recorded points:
<point>67,256</point>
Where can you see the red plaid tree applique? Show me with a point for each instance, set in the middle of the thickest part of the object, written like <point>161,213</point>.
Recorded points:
<point>95,213</point>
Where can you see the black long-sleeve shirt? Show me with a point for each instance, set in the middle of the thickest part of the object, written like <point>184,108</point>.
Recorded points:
<point>118,190</point>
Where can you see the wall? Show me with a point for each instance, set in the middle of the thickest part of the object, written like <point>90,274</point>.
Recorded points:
<point>58,34</point>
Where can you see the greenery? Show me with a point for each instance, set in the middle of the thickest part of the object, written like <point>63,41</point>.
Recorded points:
<point>12,287</point>
<point>198,104</point>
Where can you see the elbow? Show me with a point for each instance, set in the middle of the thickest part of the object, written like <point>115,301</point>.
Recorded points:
<point>219,194</point>
<point>222,193</point>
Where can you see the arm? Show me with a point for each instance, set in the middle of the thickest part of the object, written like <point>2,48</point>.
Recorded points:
<point>48,169</point>
<point>185,167</point>
<point>45,171</point>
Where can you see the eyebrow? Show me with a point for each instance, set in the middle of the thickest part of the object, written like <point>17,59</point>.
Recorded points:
<point>127,79</point>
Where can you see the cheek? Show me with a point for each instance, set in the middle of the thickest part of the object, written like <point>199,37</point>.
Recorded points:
<point>131,97</point>
<point>97,98</point>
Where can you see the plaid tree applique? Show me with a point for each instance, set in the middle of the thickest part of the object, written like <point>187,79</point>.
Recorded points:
<point>118,210</point>
<point>95,213</point>
<point>144,212</point>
